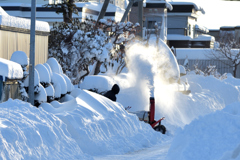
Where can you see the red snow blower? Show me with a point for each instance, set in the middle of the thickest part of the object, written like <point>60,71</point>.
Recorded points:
<point>148,117</point>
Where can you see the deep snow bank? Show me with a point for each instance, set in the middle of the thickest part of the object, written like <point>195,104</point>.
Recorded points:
<point>86,125</point>
<point>27,132</point>
<point>214,136</point>
<point>101,127</point>
<point>218,87</point>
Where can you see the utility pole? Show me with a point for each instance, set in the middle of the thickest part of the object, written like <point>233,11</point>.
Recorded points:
<point>103,10</point>
<point>127,10</point>
<point>140,17</point>
<point>32,53</point>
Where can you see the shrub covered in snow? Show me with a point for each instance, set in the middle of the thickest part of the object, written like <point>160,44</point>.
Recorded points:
<point>21,58</point>
<point>44,75</point>
<point>78,45</point>
<point>209,71</point>
<point>41,96</point>
<point>36,82</point>
<point>49,81</point>
<point>58,80</point>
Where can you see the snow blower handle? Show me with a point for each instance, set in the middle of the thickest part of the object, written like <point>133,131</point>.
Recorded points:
<point>159,121</point>
<point>127,108</point>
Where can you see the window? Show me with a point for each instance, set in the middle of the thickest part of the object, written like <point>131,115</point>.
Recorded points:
<point>151,24</point>
<point>189,29</point>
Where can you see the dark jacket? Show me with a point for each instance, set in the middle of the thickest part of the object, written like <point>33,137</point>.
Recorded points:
<point>112,93</point>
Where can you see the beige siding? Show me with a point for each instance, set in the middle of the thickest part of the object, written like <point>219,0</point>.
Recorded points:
<point>14,41</point>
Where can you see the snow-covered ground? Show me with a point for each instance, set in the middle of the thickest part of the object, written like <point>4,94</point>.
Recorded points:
<point>201,125</point>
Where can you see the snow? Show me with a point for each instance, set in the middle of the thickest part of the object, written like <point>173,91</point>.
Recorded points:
<point>168,5</point>
<point>97,6</point>
<point>196,6</point>
<point>2,12</point>
<point>10,21</point>
<point>59,79</point>
<point>48,68</point>
<point>28,132</point>
<point>178,37</point>
<point>41,97</point>
<point>202,28</point>
<point>20,57</point>
<point>203,124</point>
<point>68,83</point>
<point>43,73</point>
<point>221,127</point>
<point>36,79</point>
<point>195,53</point>
<point>10,69</point>
<point>91,126</point>
<point>204,38</point>
<point>54,65</point>
<point>182,69</point>
<point>50,90</point>
<point>100,82</point>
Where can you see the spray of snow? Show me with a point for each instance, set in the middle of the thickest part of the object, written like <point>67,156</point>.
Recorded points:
<point>155,73</point>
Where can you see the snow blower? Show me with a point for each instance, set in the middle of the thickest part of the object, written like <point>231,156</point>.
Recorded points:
<point>148,117</point>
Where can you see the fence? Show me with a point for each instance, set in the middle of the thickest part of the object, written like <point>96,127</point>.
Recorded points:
<point>15,41</point>
<point>221,66</point>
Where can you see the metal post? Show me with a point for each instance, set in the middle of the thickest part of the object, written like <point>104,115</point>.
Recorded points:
<point>103,10</point>
<point>140,17</point>
<point>32,53</point>
<point>127,10</point>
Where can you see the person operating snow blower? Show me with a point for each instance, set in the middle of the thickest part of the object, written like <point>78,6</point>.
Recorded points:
<point>111,94</point>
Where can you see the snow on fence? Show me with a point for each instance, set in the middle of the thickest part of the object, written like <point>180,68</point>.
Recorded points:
<point>202,65</point>
<point>15,36</point>
<point>203,58</point>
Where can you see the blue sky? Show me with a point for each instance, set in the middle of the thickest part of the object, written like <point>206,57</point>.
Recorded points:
<point>218,13</point>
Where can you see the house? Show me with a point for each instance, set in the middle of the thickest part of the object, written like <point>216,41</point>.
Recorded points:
<point>154,13</point>
<point>226,34</point>
<point>214,33</point>
<point>183,30</point>
<point>177,22</point>
<point>91,8</point>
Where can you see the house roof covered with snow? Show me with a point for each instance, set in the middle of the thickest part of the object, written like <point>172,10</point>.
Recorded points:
<point>201,28</point>
<point>178,37</point>
<point>204,37</point>
<point>10,70</point>
<point>157,4</point>
<point>85,9</point>
<point>186,7</point>
<point>227,28</point>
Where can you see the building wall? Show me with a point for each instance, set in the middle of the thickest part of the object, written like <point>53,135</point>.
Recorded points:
<point>133,16</point>
<point>214,33</point>
<point>15,41</point>
<point>177,25</point>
